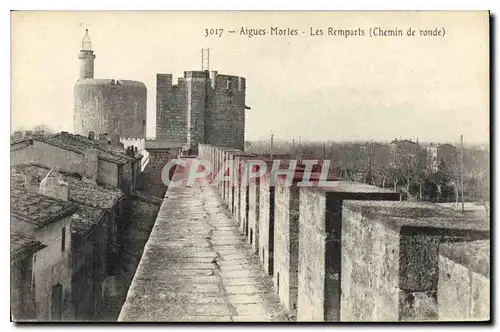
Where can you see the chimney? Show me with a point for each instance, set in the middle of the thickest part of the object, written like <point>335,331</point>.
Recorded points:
<point>130,151</point>
<point>114,139</point>
<point>103,140</point>
<point>91,135</point>
<point>90,166</point>
<point>28,180</point>
<point>54,186</point>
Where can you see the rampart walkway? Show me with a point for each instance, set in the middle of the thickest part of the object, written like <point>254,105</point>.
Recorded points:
<point>196,266</point>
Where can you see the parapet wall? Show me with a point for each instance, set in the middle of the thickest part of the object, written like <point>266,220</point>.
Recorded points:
<point>364,255</point>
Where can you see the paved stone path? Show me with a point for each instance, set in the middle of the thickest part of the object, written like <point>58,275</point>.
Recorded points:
<point>196,266</point>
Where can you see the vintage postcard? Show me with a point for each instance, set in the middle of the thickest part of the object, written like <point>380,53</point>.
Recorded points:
<point>232,166</point>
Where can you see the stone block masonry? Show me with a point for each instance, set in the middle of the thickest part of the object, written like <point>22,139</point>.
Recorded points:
<point>253,213</point>
<point>239,207</point>
<point>163,89</point>
<point>266,224</point>
<point>320,222</point>
<point>233,187</point>
<point>197,267</point>
<point>228,185</point>
<point>390,263</point>
<point>201,108</point>
<point>151,181</point>
<point>110,106</point>
<point>345,251</point>
<point>243,209</point>
<point>464,281</point>
<point>286,245</point>
<point>225,116</point>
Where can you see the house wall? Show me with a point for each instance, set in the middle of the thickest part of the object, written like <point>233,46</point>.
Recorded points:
<point>53,266</point>
<point>22,297</point>
<point>67,161</point>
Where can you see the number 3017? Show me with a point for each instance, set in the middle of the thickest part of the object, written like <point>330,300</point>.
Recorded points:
<point>214,32</point>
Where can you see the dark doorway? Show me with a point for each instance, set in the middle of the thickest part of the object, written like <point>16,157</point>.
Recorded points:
<point>56,308</point>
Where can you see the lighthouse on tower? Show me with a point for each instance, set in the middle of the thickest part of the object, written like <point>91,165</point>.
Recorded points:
<point>86,57</point>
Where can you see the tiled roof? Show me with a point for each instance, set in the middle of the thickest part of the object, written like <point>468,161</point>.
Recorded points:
<point>37,209</point>
<point>115,150</point>
<point>89,202</point>
<point>79,191</point>
<point>85,218</point>
<point>96,196</point>
<point>79,144</point>
<point>22,244</point>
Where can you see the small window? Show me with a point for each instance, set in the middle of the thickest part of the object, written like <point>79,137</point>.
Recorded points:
<point>228,84</point>
<point>63,238</point>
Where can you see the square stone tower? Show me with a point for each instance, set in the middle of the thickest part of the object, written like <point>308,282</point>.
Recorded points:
<point>204,107</point>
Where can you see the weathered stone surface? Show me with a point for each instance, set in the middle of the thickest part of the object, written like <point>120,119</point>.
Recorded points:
<point>266,224</point>
<point>110,106</point>
<point>253,213</point>
<point>286,247</point>
<point>390,267</point>
<point>211,271</point>
<point>320,234</point>
<point>201,109</point>
<point>464,281</point>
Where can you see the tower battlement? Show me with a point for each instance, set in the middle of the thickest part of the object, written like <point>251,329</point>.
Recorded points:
<point>203,107</point>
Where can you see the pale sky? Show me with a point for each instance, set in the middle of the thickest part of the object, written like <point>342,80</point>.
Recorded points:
<point>315,87</point>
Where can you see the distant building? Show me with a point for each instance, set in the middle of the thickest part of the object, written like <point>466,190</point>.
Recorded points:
<point>404,152</point>
<point>447,154</point>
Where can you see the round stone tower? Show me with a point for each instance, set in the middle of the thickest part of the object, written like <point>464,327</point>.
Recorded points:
<point>112,106</point>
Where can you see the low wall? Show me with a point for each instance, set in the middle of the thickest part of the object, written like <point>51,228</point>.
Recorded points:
<point>390,263</point>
